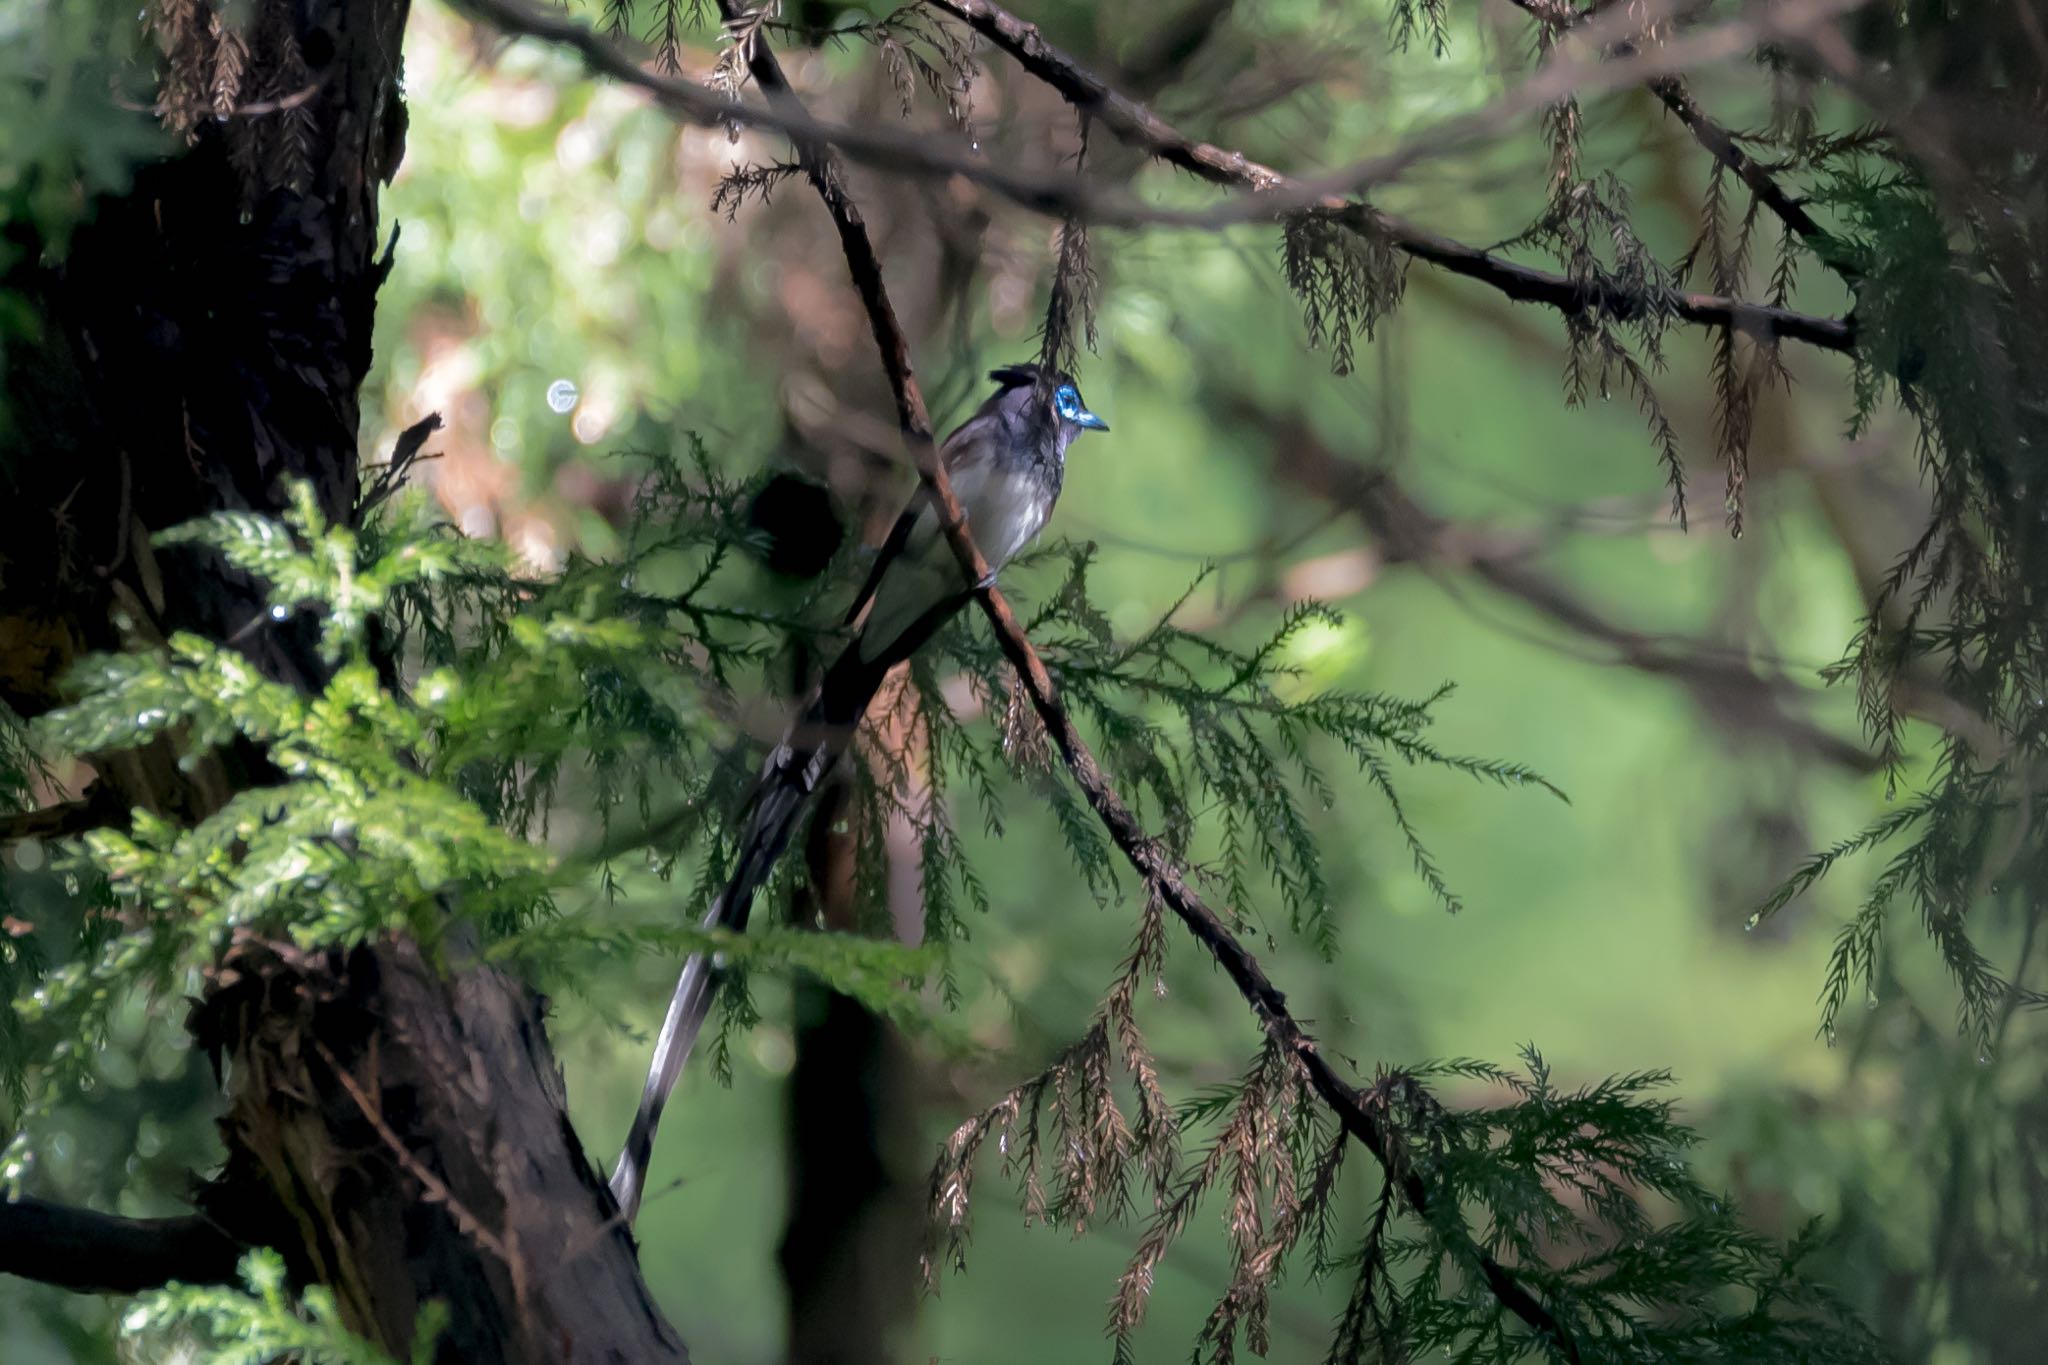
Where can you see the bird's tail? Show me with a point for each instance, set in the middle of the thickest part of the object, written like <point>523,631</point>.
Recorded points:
<point>795,769</point>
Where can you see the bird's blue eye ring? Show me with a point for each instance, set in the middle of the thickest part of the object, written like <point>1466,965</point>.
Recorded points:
<point>1068,400</point>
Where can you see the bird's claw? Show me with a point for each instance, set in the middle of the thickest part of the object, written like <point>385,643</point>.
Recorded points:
<point>987,581</point>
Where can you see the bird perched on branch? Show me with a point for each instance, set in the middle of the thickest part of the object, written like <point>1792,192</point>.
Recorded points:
<point>1006,463</point>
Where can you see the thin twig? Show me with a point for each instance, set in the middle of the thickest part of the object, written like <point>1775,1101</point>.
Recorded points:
<point>1163,877</point>
<point>1724,683</point>
<point>435,1188</point>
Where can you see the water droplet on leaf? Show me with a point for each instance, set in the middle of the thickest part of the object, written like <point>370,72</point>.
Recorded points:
<point>562,395</point>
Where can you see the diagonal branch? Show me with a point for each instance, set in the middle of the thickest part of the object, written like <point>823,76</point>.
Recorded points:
<point>1163,877</point>
<point>100,1253</point>
<point>1062,195</point>
<point>1716,137</point>
<point>1721,143</point>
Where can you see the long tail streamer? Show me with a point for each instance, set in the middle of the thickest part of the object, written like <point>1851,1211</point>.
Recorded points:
<point>795,770</point>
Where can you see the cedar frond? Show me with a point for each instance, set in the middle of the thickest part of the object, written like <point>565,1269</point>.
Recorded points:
<point>1347,276</point>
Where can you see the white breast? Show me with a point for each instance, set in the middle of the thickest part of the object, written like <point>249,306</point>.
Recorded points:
<point>1004,514</point>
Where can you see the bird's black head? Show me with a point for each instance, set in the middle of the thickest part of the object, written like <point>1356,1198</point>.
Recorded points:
<point>1051,391</point>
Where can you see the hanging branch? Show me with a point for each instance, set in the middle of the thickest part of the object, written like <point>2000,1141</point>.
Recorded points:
<point>1163,878</point>
<point>1138,126</point>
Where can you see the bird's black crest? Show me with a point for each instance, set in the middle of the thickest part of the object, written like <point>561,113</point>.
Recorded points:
<point>1028,372</point>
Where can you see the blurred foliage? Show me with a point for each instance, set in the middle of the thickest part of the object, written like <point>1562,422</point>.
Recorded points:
<point>66,140</point>
<point>265,1323</point>
<point>563,291</point>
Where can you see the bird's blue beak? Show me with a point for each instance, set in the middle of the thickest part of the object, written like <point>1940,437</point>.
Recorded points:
<point>1089,421</point>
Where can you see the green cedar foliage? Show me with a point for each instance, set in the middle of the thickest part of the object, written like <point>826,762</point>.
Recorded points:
<point>20,954</point>
<point>1937,235</point>
<point>263,1323</point>
<point>1583,1195</point>
<point>57,65</point>
<point>1947,330</point>
<point>402,806</point>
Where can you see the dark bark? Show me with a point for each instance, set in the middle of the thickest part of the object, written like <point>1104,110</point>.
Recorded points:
<point>849,1250</point>
<point>414,1124</point>
<point>396,1131</point>
<point>103,1254</point>
<point>205,337</point>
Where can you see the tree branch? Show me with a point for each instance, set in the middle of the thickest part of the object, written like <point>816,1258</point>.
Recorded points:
<point>1138,126</point>
<point>1721,143</point>
<point>1162,876</point>
<point>1722,683</point>
<point>1717,138</point>
<point>100,1253</point>
<point>1063,195</point>
<point>100,806</point>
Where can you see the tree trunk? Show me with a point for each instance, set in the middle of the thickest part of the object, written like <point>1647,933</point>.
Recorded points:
<point>398,1133</point>
<point>849,1248</point>
<point>412,1126</point>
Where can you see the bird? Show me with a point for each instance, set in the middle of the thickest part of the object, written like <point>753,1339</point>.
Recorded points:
<point>1006,464</point>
